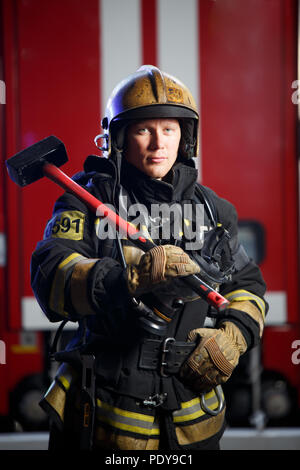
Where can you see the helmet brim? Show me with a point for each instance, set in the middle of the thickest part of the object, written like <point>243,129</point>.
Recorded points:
<point>156,111</point>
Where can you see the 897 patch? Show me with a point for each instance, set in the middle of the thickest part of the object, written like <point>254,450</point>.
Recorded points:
<point>68,224</point>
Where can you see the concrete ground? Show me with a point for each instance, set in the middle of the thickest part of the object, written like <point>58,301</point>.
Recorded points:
<point>233,439</point>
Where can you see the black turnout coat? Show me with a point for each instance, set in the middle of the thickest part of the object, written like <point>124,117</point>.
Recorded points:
<point>77,275</point>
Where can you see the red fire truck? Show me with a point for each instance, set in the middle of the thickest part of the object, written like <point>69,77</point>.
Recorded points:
<point>58,61</point>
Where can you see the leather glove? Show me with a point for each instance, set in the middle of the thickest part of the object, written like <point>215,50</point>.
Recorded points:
<point>159,264</point>
<point>214,358</point>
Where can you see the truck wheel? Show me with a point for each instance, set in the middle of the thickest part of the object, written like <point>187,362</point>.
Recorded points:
<point>24,404</point>
<point>278,399</point>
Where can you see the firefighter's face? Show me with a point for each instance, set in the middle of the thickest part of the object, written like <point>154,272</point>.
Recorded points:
<point>152,145</point>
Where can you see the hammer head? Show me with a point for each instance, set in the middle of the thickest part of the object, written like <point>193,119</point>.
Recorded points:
<point>27,166</point>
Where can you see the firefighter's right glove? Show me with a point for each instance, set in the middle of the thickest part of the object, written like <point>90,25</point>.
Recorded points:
<point>159,264</point>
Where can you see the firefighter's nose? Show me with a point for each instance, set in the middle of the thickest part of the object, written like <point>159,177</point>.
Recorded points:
<point>157,140</point>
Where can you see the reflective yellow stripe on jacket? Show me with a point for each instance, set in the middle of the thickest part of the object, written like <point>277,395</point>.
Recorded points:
<point>191,410</point>
<point>146,424</point>
<point>126,420</point>
<point>57,295</point>
<point>240,295</point>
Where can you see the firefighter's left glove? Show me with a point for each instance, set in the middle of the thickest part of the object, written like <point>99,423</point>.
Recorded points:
<point>213,360</point>
<point>159,264</point>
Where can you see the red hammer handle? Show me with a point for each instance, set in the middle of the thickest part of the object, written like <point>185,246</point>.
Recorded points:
<point>59,177</point>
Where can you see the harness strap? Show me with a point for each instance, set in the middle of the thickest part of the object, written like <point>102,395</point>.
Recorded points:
<point>202,194</point>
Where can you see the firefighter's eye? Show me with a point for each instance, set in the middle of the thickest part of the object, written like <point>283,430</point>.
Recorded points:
<point>143,130</point>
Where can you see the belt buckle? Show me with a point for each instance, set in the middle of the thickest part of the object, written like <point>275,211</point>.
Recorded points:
<point>165,350</point>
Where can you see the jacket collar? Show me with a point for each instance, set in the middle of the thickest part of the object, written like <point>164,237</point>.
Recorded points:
<point>178,185</point>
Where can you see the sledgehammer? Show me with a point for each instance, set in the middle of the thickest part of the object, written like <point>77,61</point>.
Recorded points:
<point>44,158</point>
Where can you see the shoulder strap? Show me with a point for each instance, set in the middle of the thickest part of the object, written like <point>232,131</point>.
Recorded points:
<point>205,198</point>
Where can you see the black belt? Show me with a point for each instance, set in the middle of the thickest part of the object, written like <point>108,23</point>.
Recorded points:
<point>166,356</point>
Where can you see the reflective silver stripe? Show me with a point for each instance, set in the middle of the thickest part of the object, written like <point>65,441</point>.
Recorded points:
<point>136,423</point>
<point>57,297</point>
<point>240,295</point>
<point>191,410</point>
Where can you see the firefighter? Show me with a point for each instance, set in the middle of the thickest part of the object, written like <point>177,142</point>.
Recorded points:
<point>145,378</point>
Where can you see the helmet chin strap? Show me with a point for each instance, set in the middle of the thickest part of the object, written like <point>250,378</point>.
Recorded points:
<point>117,146</point>
<point>118,159</point>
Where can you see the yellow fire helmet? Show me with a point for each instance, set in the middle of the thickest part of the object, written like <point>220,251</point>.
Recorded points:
<point>146,94</point>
